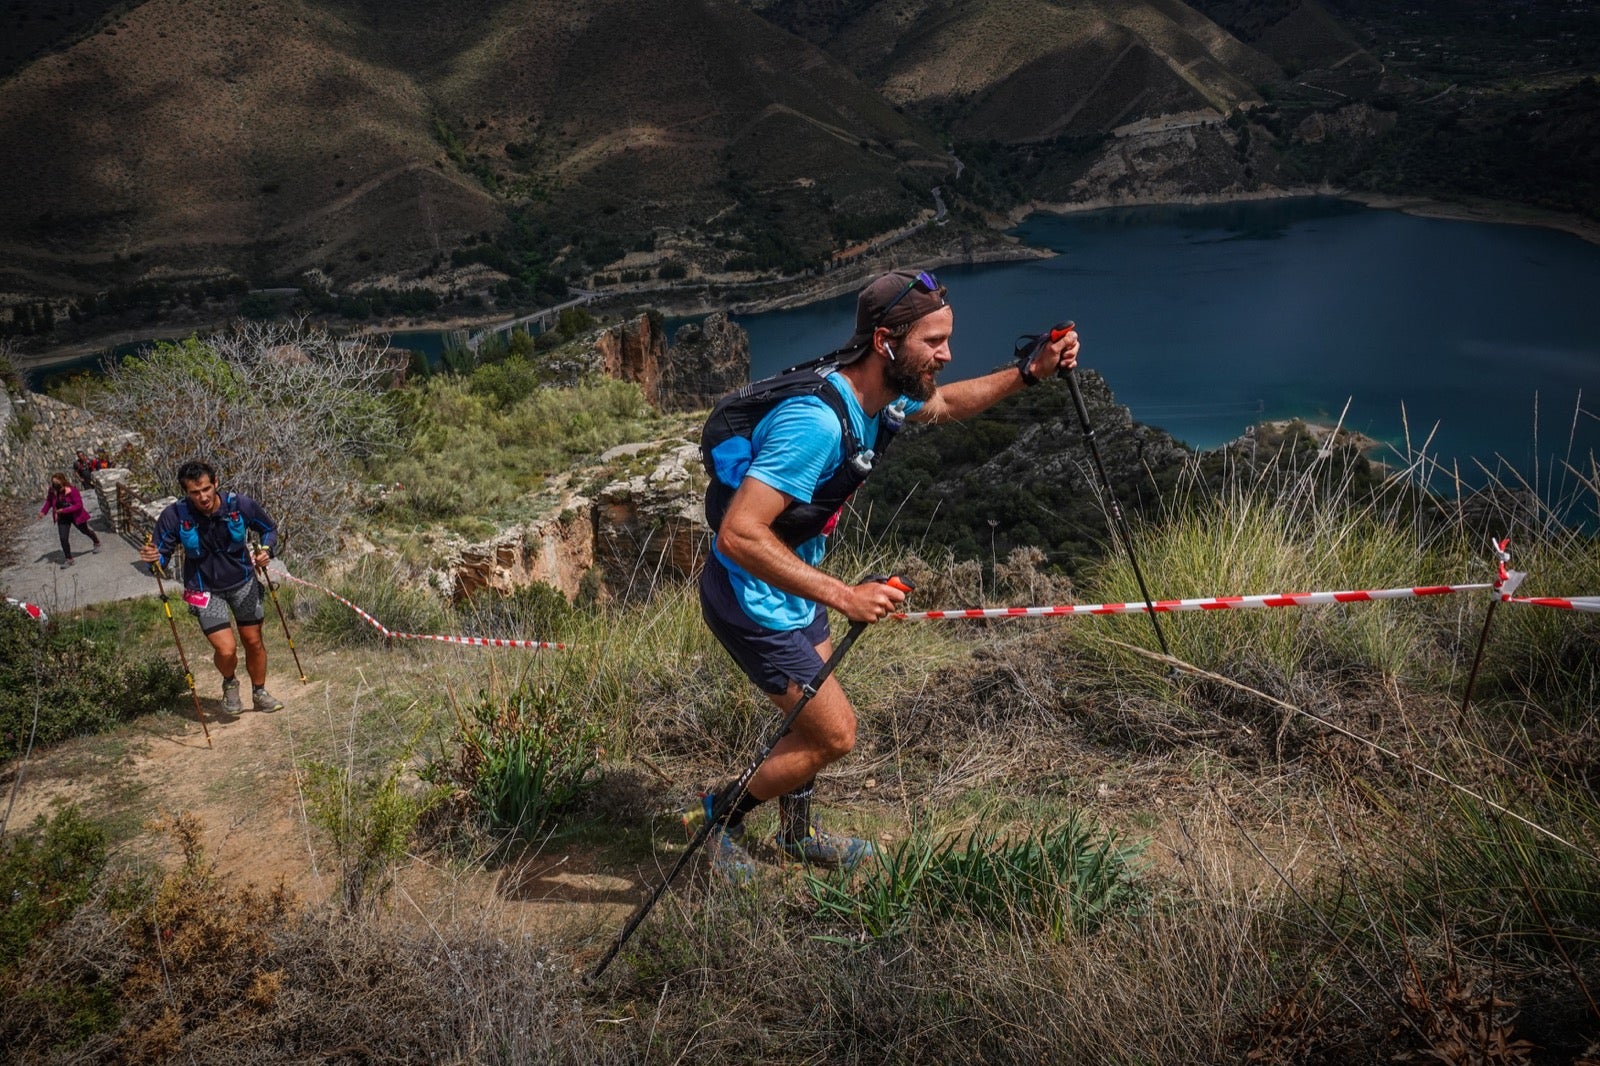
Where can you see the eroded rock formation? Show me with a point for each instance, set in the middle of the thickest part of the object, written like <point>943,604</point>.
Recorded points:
<point>705,361</point>
<point>556,552</point>
<point>652,526</point>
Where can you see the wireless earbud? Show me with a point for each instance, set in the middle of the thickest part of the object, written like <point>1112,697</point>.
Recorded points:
<point>888,351</point>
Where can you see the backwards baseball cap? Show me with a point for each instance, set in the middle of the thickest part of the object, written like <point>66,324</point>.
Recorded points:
<point>891,299</point>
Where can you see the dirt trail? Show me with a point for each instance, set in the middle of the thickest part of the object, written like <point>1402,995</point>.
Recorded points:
<point>243,788</point>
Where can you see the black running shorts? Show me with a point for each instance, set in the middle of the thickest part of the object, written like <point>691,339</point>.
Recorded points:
<point>770,657</point>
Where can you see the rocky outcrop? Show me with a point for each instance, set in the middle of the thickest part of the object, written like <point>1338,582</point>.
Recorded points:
<point>636,531</point>
<point>557,552</point>
<point>1164,163</point>
<point>652,526</point>
<point>1357,122</point>
<point>705,361</point>
<point>633,351</point>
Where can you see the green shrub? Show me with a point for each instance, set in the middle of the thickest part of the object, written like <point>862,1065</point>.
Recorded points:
<point>478,443</point>
<point>368,819</point>
<point>1064,879</point>
<point>524,755</point>
<point>1475,869</point>
<point>44,877</point>
<point>530,612</point>
<point>56,683</point>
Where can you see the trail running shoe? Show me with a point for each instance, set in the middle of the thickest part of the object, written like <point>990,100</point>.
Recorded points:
<point>828,849</point>
<point>264,700</point>
<point>729,860</point>
<point>230,695</point>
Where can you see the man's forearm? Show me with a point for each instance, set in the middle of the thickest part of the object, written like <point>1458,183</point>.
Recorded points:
<point>763,556</point>
<point>963,399</point>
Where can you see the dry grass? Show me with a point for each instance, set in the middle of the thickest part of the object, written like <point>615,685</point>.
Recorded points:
<point>1342,867</point>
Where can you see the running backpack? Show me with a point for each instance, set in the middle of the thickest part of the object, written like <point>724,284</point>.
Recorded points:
<point>726,450</point>
<point>189,533</point>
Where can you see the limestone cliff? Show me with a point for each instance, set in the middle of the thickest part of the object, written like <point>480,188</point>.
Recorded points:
<point>633,352</point>
<point>704,362</point>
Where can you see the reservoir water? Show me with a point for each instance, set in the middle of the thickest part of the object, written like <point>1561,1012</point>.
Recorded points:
<point>1206,319</point>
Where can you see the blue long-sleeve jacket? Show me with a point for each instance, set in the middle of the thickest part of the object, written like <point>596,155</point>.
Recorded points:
<point>215,554</point>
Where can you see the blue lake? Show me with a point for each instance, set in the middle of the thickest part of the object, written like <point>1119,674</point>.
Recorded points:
<point>1206,319</point>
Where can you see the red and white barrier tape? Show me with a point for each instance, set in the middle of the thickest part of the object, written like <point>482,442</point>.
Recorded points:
<point>32,610</point>
<point>1214,603</point>
<point>477,642</point>
<point>1587,604</point>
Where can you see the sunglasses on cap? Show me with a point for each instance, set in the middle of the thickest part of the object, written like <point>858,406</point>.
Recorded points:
<point>923,278</point>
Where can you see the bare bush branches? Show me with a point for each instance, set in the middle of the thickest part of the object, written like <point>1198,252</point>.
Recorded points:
<point>284,411</point>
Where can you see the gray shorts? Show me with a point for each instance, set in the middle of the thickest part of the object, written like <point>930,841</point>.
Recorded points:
<point>244,602</point>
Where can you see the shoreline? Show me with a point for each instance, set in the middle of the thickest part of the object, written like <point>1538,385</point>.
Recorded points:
<point>1497,212</point>
<point>847,279</point>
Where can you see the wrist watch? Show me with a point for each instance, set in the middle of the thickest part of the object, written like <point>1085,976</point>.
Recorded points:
<point>1029,378</point>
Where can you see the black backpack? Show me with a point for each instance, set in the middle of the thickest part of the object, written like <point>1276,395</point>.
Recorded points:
<point>734,420</point>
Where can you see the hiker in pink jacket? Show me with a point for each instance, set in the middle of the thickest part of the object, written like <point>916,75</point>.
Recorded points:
<point>67,505</point>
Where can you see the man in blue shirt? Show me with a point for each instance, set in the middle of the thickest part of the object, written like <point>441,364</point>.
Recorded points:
<point>761,591</point>
<point>219,574</point>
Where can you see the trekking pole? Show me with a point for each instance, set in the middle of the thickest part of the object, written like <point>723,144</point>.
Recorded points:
<point>731,797</point>
<point>272,590</point>
<point>1119,524</point>
<point>188,675</point>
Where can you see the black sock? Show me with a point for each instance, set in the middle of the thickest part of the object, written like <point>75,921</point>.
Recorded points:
<point>794,812</point>
<point>747,803</point>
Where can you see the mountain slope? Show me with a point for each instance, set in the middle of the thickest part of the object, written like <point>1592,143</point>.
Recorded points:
<point>288,134</point>
<point>1022,70</point>
<point>178,139</point>
<point>213,134</point>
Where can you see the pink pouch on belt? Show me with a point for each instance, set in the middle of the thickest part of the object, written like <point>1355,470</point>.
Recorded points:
<point>198,600</point>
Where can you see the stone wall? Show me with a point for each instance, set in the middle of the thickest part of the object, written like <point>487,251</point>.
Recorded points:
<point>40,436</point>
<point>123,507</point>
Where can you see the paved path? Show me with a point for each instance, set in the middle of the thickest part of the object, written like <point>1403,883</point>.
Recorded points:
<point>38,577</point>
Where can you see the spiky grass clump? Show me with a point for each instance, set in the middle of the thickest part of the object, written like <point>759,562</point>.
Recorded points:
<point>379,587</point>
<point>1053,881</point>
<point>1271,535</point>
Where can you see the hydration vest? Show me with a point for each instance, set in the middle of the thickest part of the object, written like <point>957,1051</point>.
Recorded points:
<point>189,531</point>
<point>726,450</point>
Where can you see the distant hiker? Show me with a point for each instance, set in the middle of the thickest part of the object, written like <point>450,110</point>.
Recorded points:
<point>219,573</point>
<point>784,456</point>
<point>83,467</point>
<point>67,505</point>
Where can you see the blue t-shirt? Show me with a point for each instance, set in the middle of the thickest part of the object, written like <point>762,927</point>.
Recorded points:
<point>795,448</point>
